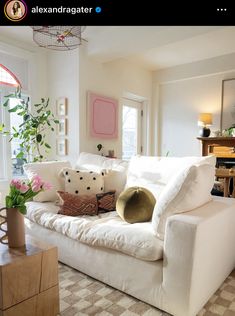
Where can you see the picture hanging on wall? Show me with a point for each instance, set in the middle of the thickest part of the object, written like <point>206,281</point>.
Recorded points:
<point>227,116</point>
<point>61,106</point>
<point>103,116</point>
<point>62,127</point>
<point>62,147</point>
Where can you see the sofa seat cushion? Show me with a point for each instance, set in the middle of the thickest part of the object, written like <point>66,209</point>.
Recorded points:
<point>104,230</point>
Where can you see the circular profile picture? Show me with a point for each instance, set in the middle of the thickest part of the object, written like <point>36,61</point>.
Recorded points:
<point>15,10</point>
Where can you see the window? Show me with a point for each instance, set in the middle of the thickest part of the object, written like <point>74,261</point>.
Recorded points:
<point>7,77</point>
<point>10,165</point>
<point>132,114</point>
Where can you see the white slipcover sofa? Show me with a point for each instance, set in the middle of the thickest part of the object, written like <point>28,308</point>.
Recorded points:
<point>177,273</point>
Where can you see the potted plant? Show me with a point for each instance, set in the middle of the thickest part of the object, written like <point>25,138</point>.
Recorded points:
<point>38,121</point>
<point>21,191</point>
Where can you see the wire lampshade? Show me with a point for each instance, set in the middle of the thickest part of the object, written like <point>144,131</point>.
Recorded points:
<point>58,37</point>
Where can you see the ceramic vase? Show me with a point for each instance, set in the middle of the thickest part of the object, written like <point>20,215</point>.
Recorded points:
<point>15,228</point>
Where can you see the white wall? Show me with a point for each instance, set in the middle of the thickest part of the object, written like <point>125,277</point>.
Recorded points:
<point>114,79</point>
<point>62,80</point>
<point>181,93</point>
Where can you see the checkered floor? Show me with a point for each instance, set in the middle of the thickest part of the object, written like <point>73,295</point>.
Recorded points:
<point>81,295</point>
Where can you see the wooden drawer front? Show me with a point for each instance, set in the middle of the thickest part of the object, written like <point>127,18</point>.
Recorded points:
<point>20,280</point>
<point>26,308</point>
<point>48,302</point>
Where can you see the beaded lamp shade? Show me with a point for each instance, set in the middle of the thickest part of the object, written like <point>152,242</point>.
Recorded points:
<point>58,37</point>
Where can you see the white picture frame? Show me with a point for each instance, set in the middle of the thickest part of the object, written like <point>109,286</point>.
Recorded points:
<point>62,147</point>
<point>62,106</point>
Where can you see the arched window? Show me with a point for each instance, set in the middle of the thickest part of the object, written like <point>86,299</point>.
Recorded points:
<point>10,165</point>
<point>7,77</point>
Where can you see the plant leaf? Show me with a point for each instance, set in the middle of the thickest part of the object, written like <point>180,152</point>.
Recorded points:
<point>22,209</point>
<point>13,109</point>
<point>39,138</point>
<point>9,202</point>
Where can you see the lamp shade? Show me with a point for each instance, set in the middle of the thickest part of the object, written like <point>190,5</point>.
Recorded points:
<point>205,119</point>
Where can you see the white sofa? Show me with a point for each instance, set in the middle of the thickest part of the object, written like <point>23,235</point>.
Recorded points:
<point>177,275</point>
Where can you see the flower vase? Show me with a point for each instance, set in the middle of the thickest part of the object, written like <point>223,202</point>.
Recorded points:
<point>15,228</point>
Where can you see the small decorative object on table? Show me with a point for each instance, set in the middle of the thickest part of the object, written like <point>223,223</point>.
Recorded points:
<point>111,153</point>
<point>20,192</point>
<point>100,147</point>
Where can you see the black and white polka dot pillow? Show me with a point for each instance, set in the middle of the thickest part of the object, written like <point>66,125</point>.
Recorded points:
<point>82,181</point>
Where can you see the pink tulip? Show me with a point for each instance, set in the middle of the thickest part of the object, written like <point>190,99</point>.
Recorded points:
<point>36,180</point>
<point>16,183</point>
<point>24,188</point>
<point>36,187</point>
<point>47,186</point>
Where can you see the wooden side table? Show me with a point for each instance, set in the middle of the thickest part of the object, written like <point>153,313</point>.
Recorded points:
<point>29,280</point>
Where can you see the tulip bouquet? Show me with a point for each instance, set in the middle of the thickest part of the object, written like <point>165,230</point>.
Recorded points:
<point>22,191</point>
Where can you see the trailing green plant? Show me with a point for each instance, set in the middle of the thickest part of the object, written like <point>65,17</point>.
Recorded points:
<point>38,120</point>
<point>231,130</point>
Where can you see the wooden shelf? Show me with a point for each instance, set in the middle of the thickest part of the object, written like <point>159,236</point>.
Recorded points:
<point>208,143</point>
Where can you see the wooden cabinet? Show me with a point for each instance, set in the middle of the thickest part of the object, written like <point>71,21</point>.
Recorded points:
<point>29,280</point>
<point>208,143</point>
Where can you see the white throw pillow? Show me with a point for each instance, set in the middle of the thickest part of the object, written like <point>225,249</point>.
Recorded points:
<point>188,190</point>
<point>49,172</point>
<point>115,170</point>
<point>82,182</point>
<point>114,180</point>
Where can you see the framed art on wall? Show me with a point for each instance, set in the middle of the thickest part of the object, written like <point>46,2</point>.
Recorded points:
<point>62,147</point>
<point>227,117</point>
<point>62,106</point>
<point>62,127</point>
<point>103,116</point>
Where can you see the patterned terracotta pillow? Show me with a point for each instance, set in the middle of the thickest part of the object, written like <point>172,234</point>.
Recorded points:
<point>75,205</point>
<point>106,201</point>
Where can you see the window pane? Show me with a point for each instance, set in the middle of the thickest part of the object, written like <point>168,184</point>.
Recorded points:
<point>2,146</point>
<point>15,121</point>
<point>2,159</point>
<point>129,131</point>
<point>7,77</point>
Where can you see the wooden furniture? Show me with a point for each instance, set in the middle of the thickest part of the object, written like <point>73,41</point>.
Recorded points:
<point>209,142</point>
<point>29,280</point>
<point>227,175</point>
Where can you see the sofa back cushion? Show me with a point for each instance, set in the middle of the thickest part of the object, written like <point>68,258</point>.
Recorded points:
<point>115,170</point>
<point>187,190</point>
<point>49,172</point>
<point>154,173</point>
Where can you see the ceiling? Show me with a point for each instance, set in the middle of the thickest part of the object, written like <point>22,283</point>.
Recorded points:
<point>153,47</point>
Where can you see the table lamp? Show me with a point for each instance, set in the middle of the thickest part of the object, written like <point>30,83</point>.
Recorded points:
<point>205,120</point>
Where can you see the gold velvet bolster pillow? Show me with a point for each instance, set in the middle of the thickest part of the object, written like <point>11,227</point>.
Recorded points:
<point>135,204</point>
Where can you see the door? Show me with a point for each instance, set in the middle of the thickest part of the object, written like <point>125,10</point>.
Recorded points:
<point>132,114</point>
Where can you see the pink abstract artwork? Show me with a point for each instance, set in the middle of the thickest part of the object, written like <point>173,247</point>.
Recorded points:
<point>103,116</point>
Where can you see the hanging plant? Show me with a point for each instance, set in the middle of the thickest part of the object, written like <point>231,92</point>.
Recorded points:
<point>38,121</point>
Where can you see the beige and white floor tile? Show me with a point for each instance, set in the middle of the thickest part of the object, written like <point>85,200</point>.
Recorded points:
<point>80,295</point>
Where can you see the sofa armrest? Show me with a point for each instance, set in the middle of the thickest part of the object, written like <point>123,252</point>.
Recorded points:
<point>199,254</point>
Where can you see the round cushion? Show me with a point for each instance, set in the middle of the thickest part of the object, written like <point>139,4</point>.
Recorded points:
<point>135,204</point>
